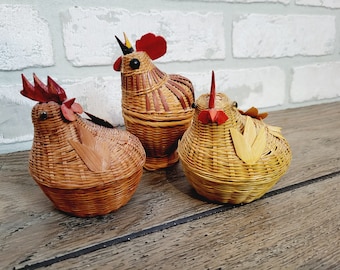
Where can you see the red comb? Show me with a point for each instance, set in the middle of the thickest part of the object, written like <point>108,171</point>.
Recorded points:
<point>41,92</point>
<point>154,46</point>
<point>31,92</point>
<point>212,92</point>
<point>212,115</point>
<point>56,89</point>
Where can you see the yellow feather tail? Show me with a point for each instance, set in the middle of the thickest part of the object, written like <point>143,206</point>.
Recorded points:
<point>276,131</point>
<point>250,146</point>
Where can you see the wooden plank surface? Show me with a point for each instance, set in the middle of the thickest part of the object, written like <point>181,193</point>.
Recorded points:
<point>288,231</point>
<point>314,136</point>
<point>28,217</point>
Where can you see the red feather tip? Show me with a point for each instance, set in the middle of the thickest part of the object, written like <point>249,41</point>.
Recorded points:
<point>154,46</point>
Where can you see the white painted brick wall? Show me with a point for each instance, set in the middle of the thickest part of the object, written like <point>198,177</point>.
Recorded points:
<point>315,82</point>
<point>273,54</point>
<point>89,34</point>
<point>261,87</point>
<point>25,39</point>
<point>286,2</point>
<point>324,3</point>
<point>258,35</point>
<point>98,95</point>
<point>15,112</point>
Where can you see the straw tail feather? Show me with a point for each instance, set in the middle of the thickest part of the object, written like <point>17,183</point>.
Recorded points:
<point>250,146</point>
<point>275,131</point>
<point>94,153</point>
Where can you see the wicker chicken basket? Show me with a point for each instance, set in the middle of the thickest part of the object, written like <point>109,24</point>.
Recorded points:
<point>67,181</point>
<point>156,108</point>
<point>84,168</point>
<point>211,163</point>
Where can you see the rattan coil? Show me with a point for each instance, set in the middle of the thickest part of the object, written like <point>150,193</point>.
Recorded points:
<point>64,177</point>
<point>156,108</point>
<point>212,165</point>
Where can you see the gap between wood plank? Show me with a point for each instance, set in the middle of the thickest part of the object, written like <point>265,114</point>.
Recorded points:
<point>167,225</point>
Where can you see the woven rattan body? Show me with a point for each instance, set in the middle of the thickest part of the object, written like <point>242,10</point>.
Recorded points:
<point>63,176</point>
<point>212,166</point>
<point>156,108</point>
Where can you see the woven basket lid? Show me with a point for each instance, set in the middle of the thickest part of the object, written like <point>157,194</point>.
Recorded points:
<point>235,138</point>
<point>149,90</point>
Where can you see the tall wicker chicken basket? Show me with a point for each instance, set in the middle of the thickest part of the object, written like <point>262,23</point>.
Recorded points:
<point>156,106</point>
<point>213,157</point>
<point>85,167</point>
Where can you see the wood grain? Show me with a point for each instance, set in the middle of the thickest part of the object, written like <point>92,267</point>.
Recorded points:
<point>288,231</point>
<point>31,230</point>
<point>314,136</point>
<point>27,216</point>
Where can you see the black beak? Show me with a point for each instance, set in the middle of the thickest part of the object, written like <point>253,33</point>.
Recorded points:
<point>125,49</point>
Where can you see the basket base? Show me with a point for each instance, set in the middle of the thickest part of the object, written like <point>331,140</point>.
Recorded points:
<point>228,190</point>
<point>93,201</point>
<point>155,163</point>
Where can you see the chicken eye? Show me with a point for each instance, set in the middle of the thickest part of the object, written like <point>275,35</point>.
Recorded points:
<point>194,105</point>
<point>235,104</point>
<point>43,116</point>
<point>134,63</point>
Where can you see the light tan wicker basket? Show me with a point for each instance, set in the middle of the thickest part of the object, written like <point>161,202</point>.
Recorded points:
<point>212,164</point>
<point>156,108</point>
<point>70,183</point>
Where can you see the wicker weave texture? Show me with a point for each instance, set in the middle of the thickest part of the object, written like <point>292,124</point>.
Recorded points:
<point>94,201</point>
<point>212,166</point>
<point>66,179</point>
<point>156,108</point>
